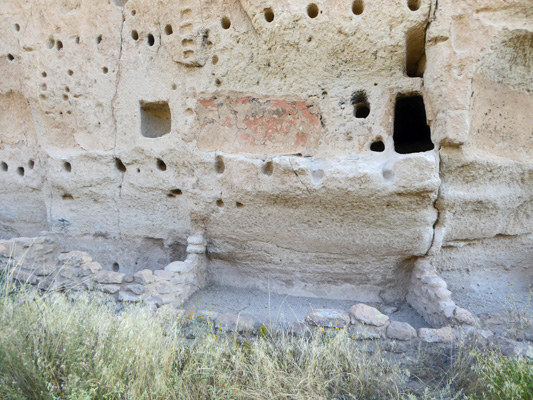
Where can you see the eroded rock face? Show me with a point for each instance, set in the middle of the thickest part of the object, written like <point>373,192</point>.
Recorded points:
<point>322,147</point>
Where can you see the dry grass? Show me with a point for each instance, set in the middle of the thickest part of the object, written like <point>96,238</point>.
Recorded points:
<point>52,347</point>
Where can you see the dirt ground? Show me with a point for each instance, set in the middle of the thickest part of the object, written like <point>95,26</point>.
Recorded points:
<point>278,310</point>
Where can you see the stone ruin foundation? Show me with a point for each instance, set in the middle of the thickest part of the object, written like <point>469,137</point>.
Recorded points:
<point>377,151</point>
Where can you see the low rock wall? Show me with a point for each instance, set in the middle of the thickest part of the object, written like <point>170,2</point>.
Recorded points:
<point>428,294</point>
<point>37,261</point>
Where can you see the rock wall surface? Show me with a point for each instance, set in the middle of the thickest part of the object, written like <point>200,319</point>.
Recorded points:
<point>322,147</point>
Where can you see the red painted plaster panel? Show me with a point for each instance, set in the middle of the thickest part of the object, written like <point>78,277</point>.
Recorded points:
<point>258,125</point>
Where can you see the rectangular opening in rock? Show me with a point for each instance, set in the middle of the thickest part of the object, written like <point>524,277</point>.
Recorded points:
<point>411,131</point>
<point>155,119</point>
<point>415,52</point>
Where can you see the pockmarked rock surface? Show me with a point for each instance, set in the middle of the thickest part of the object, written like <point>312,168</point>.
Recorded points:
<point>373,151</point>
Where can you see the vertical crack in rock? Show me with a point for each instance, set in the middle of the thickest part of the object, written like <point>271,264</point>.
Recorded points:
<point>113,114</point>
<point>438,225</point>
<point>298,177</point>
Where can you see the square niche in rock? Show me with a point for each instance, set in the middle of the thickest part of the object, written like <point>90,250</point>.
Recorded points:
<point>155,119</point>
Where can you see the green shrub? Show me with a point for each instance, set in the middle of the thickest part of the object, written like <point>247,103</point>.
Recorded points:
<point>509,378</point>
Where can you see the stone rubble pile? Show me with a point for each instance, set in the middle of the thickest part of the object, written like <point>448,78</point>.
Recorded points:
<point>76,270</point>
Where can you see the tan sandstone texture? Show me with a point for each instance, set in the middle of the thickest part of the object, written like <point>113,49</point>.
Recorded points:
<point>343,149</point>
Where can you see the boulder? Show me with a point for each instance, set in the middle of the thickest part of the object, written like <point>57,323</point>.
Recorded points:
<point>135,288</point>
<point>462,316</point>
<point>144,277</point>
<point>368,315</point>
<point>128,297</point>
<point>400,331</point>
<point>326,317</point>
<point>109,289</point>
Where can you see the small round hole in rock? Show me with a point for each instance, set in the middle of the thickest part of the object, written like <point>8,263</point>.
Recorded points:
<point>268,168</point>
<point>4,165</point>
<point>133,12</point>
<point>150,40</point>
<point>413,4</point>
<point>99,39</point>
<point>176,192</point>
<point>174,86</point>
<point>168,30</point>
<point>77,40</point>
<point>134,35</point>
<point>10,57</point>
<point>17,27</point>
<point>225,23</point>
<point>214,60</point>
<point>378,146</point>
<point>358,7</point>
<point>239,204</point>
<point>361,107</point>
<point>67,166</point>
<point>116,267</point>
<point>218,82</point>
<point>312,10</point>
<point>105,70</point>
<point>44,74</point>
<point>269,15</point>
<point>20,171</point>
<point>70,72</point>
<point>120,165</point>
<point>219,165</point>
<point>67,196</point>
<point>220,203</point>
<point>65,97</point>
<point>50,43</point>
<point>31,164</point>
<point>161,165</point>
<point>59,45</point>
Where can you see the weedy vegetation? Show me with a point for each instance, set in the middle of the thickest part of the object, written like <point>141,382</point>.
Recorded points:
<point>78,345</point>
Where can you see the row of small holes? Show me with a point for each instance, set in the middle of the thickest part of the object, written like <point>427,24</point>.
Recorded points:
<point>20,170</point>
<point>58,44</point>
<point>161,165</point>
<point>150,39</point>
<point>313,11</point>
<point>220,203</point>
<point>267,168</point>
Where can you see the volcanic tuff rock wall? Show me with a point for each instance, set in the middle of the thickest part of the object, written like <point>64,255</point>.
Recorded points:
<point>292,133</point>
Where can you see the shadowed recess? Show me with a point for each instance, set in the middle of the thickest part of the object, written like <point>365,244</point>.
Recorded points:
<point>411,131</point>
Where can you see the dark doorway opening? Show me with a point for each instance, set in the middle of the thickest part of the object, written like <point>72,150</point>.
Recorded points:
<point>411,131</point>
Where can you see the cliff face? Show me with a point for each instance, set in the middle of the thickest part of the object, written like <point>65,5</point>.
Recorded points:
<point>322,147</point>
